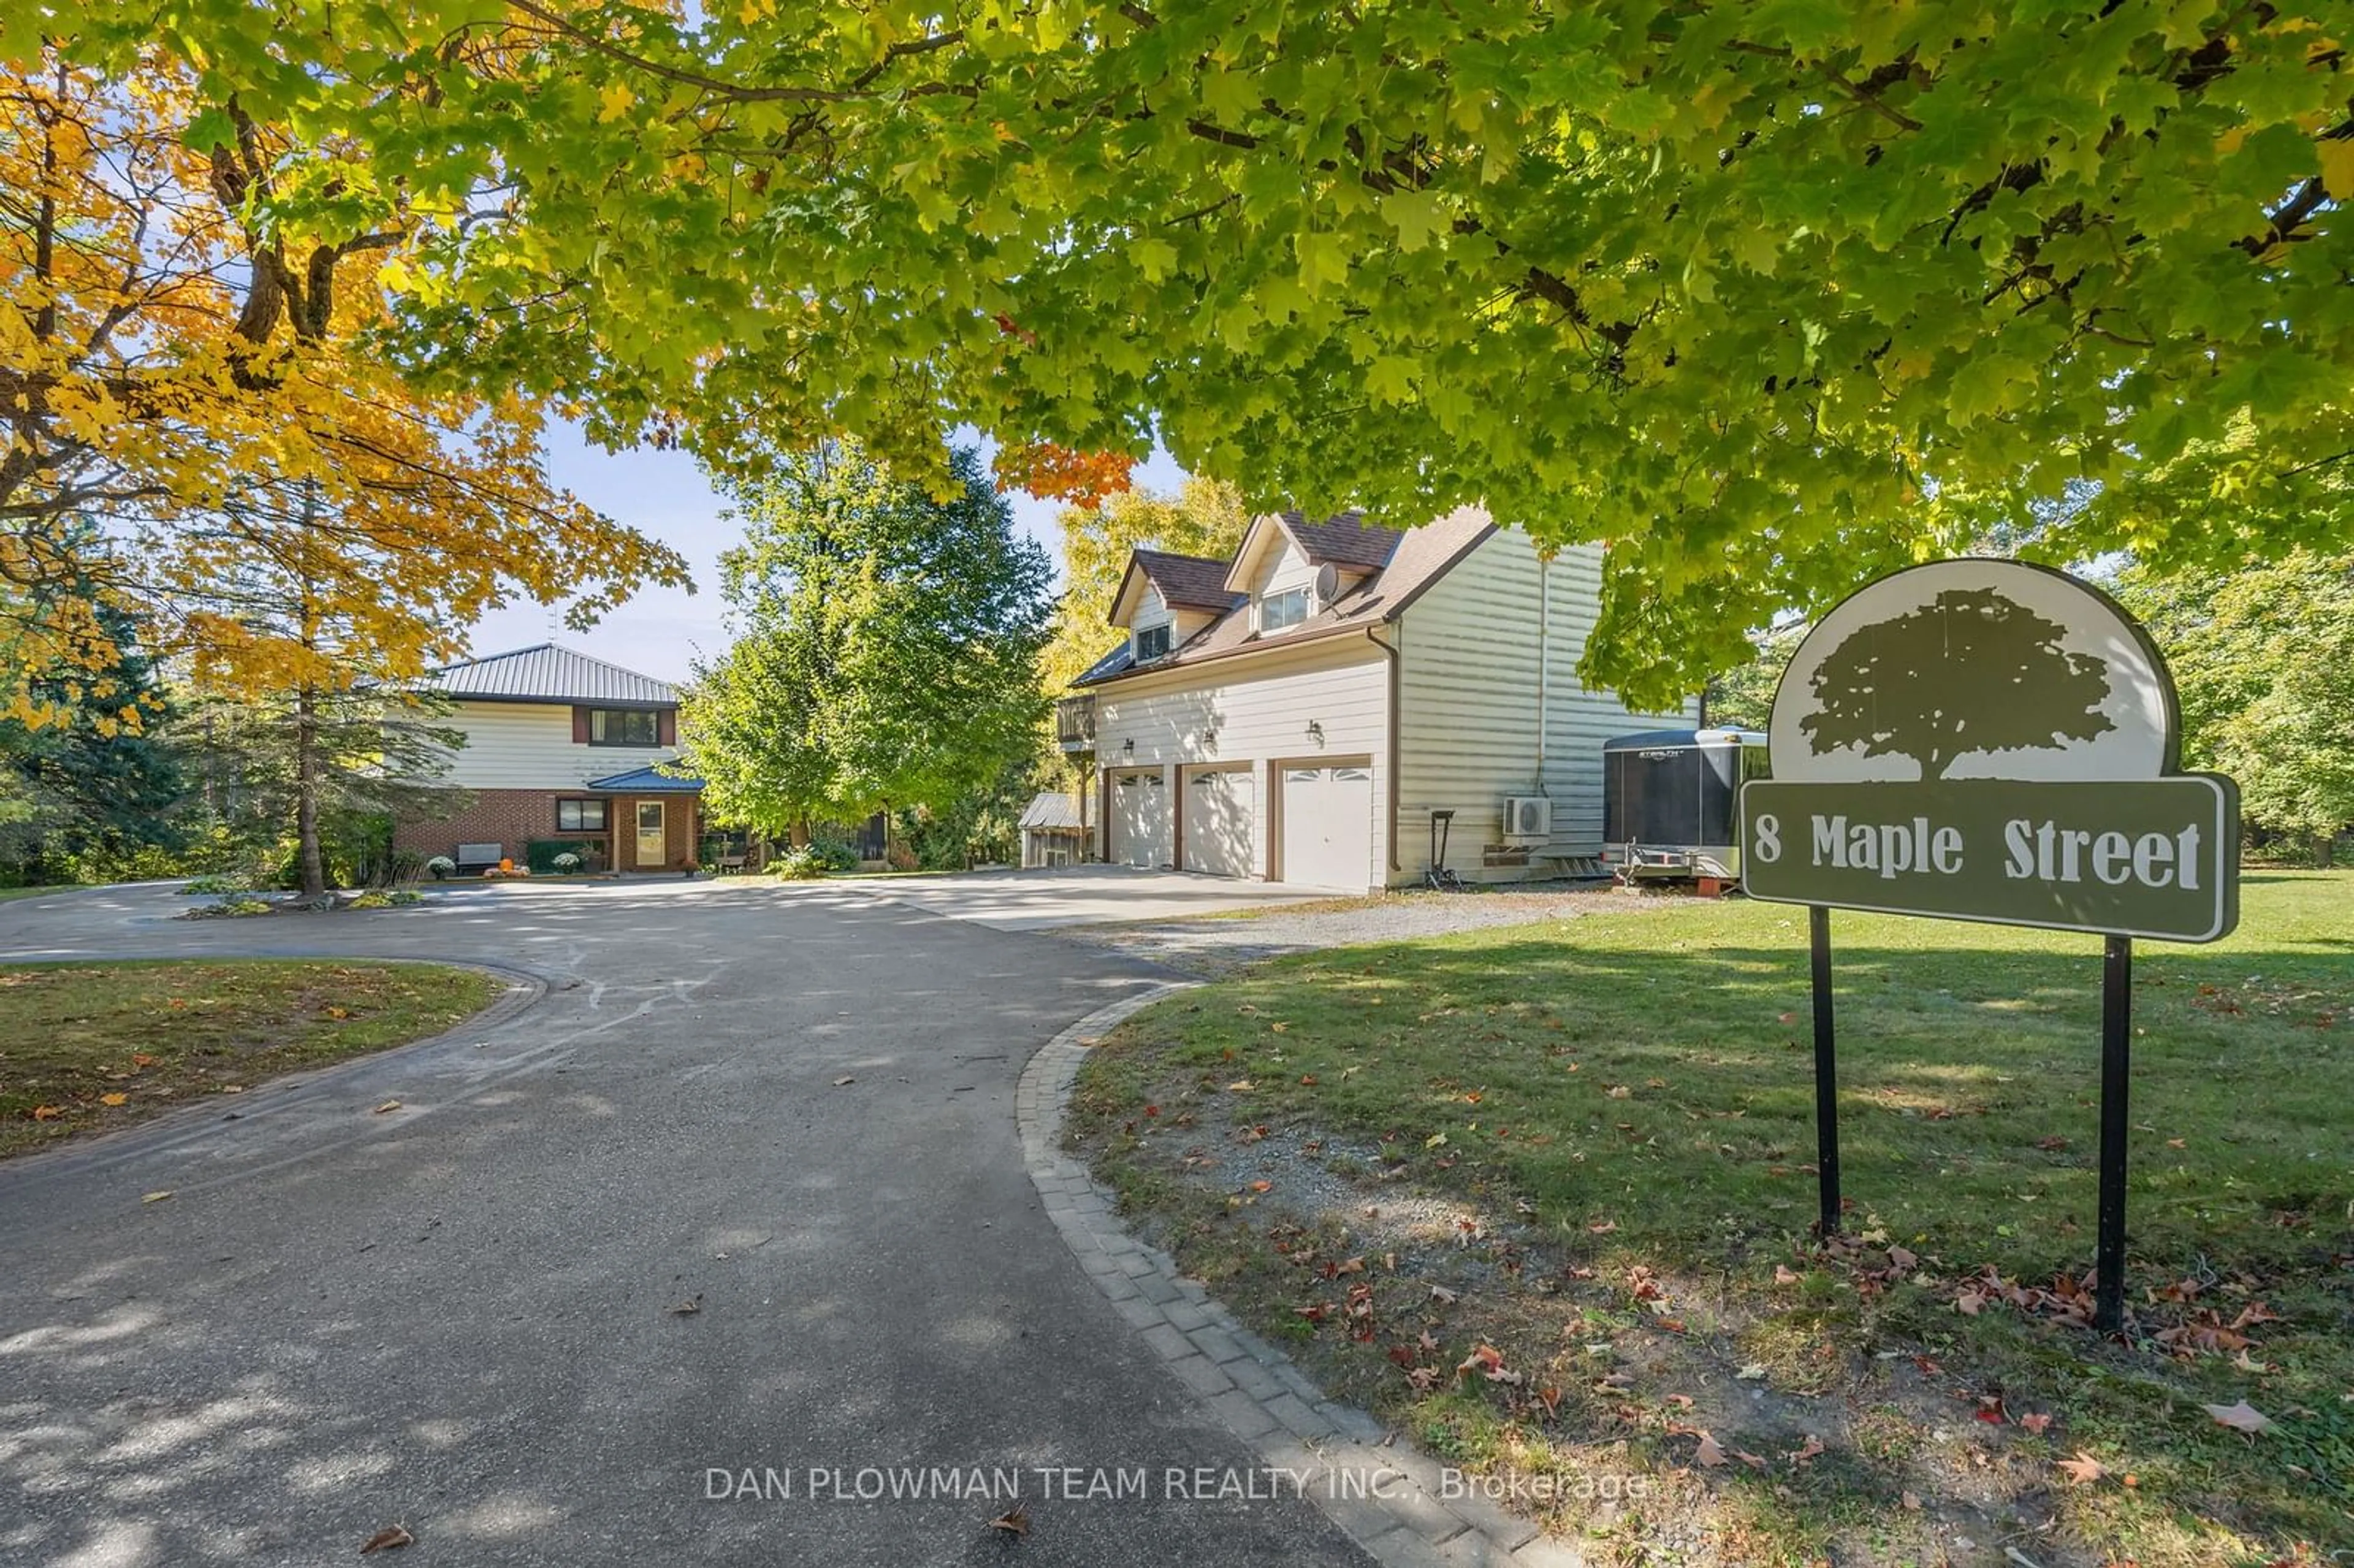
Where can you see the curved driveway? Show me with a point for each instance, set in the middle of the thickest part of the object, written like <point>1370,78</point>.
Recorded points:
<point>456,1316</point>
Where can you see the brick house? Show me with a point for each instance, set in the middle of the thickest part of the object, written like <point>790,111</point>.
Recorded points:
<point>562,749</point>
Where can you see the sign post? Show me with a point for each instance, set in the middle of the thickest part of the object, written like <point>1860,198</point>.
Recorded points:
<point>1989,740</point>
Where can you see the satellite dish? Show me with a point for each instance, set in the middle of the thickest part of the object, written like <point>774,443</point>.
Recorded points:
<point>1328,583</point>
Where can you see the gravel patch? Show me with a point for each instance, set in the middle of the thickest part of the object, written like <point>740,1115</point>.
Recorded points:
<point>1219,946</point>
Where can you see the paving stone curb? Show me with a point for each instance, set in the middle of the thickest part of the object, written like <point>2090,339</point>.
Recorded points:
<point>1383,1493</point>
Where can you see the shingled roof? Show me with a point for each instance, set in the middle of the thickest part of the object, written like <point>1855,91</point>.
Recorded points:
<point>1344,538</point>
<point>1411,562</point>
<point>545,673</point>
<point>1195,582</point>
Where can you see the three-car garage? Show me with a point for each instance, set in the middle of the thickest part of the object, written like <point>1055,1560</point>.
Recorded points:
<point>1305,822</point>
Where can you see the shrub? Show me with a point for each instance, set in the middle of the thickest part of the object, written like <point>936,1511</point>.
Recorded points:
<point>899,856</point>
<point>441,867</point>
<point>217,882</point>
<point>833,849</point>
<point>235,906</point>
<point>802,864</point>
<point>404,895</point>
<point>566,863</point>
<point>372,899</point>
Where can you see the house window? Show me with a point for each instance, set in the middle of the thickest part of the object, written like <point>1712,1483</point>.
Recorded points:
<point>1277,610</point>
<point>580,816</point>
<point>624,726</point>
<point>1153,642</point>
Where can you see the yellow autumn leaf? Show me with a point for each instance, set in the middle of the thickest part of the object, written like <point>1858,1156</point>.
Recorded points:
<point>113,1099</point>
<point>2338,167</point>
<point>614,101</point>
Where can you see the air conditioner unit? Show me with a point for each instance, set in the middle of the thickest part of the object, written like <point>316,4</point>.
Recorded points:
<point>1528,819</point>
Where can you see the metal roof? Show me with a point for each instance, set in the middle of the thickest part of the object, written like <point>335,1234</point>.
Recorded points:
<point>545,673</point>
<point>1051,811</point>
<point>646,780</point>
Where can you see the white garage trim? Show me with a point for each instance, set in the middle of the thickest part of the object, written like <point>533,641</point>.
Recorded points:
<point>1322,823</point>
<point>1214,817</point>
<point>1140,817</point>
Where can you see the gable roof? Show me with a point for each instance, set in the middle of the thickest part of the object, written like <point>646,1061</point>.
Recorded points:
<point>1051,811</point>
<point>1416,560</point>
<point>1345,539</point>
<point>545,673</point>
<point>1188,582</point>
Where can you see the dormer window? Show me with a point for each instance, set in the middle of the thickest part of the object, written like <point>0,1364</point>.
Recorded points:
<point>1277,610</point>
<point>1152,642</point>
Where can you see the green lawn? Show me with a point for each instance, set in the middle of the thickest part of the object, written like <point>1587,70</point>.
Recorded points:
<point>86,1047</point>
<point>1599,1134</point>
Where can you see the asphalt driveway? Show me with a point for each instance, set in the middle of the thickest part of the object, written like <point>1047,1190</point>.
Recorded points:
<point>1054,898</point>
<point>458,1315</point>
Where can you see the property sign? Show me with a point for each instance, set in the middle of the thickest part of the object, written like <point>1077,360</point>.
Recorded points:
<point>1989,740</point>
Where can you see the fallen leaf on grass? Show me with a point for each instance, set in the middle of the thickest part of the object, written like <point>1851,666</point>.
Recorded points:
<point>1016,1522</point>
<point>1262,1186</point>
<point>2037,1422</point>
<point>1602,1227</point>
<point>2245,1364</point>
<point>1913,1502</point>
<point>2084,1469</point>
<point>390,1538</point>
<point>1754,1461</point>
<point>47,1113</point>
<point>2052,1144</point>
<point>1680,1401</point>
<point>1443,1296</point>
<point>1783,1275</point>
<point>2240,1417</point>
<point>1806,1450</point>
<point>1752,1372</point>
<point>1240,1086</point>
<point>1708,1453</point>
<point>388,1105</point>
<point>113,1099</point>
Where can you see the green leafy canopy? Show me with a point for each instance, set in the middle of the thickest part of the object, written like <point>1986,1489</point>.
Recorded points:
<point>1769,296</point>
<point>889,649</point>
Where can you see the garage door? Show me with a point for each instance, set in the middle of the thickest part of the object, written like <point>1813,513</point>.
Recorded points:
<point>1139,818</point>
<point>1328,827</point>
<point>1218,822</point>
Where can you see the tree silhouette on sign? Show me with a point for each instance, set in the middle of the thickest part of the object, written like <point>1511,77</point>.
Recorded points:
<point>1971,671</point>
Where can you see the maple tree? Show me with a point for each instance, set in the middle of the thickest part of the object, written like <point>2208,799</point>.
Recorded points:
<point>1056,473</point>
<point>184,370</point>
<point>182,364</point>
<point>1769,297</point>
<point>2262,661</point>
<point>888,655</point>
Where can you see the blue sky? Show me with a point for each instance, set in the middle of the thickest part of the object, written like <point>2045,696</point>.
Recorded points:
<point>660,632</point>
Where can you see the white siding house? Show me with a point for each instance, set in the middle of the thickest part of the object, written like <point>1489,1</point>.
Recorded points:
<point>529,746</point>
<point>1327,689</point>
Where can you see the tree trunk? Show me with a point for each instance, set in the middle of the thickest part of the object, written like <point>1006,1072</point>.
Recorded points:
<point>800,835</point>
<point>2325,850</point>
<point>312,863</point>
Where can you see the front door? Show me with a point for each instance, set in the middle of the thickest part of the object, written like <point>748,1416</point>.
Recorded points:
<point>654,842</point>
